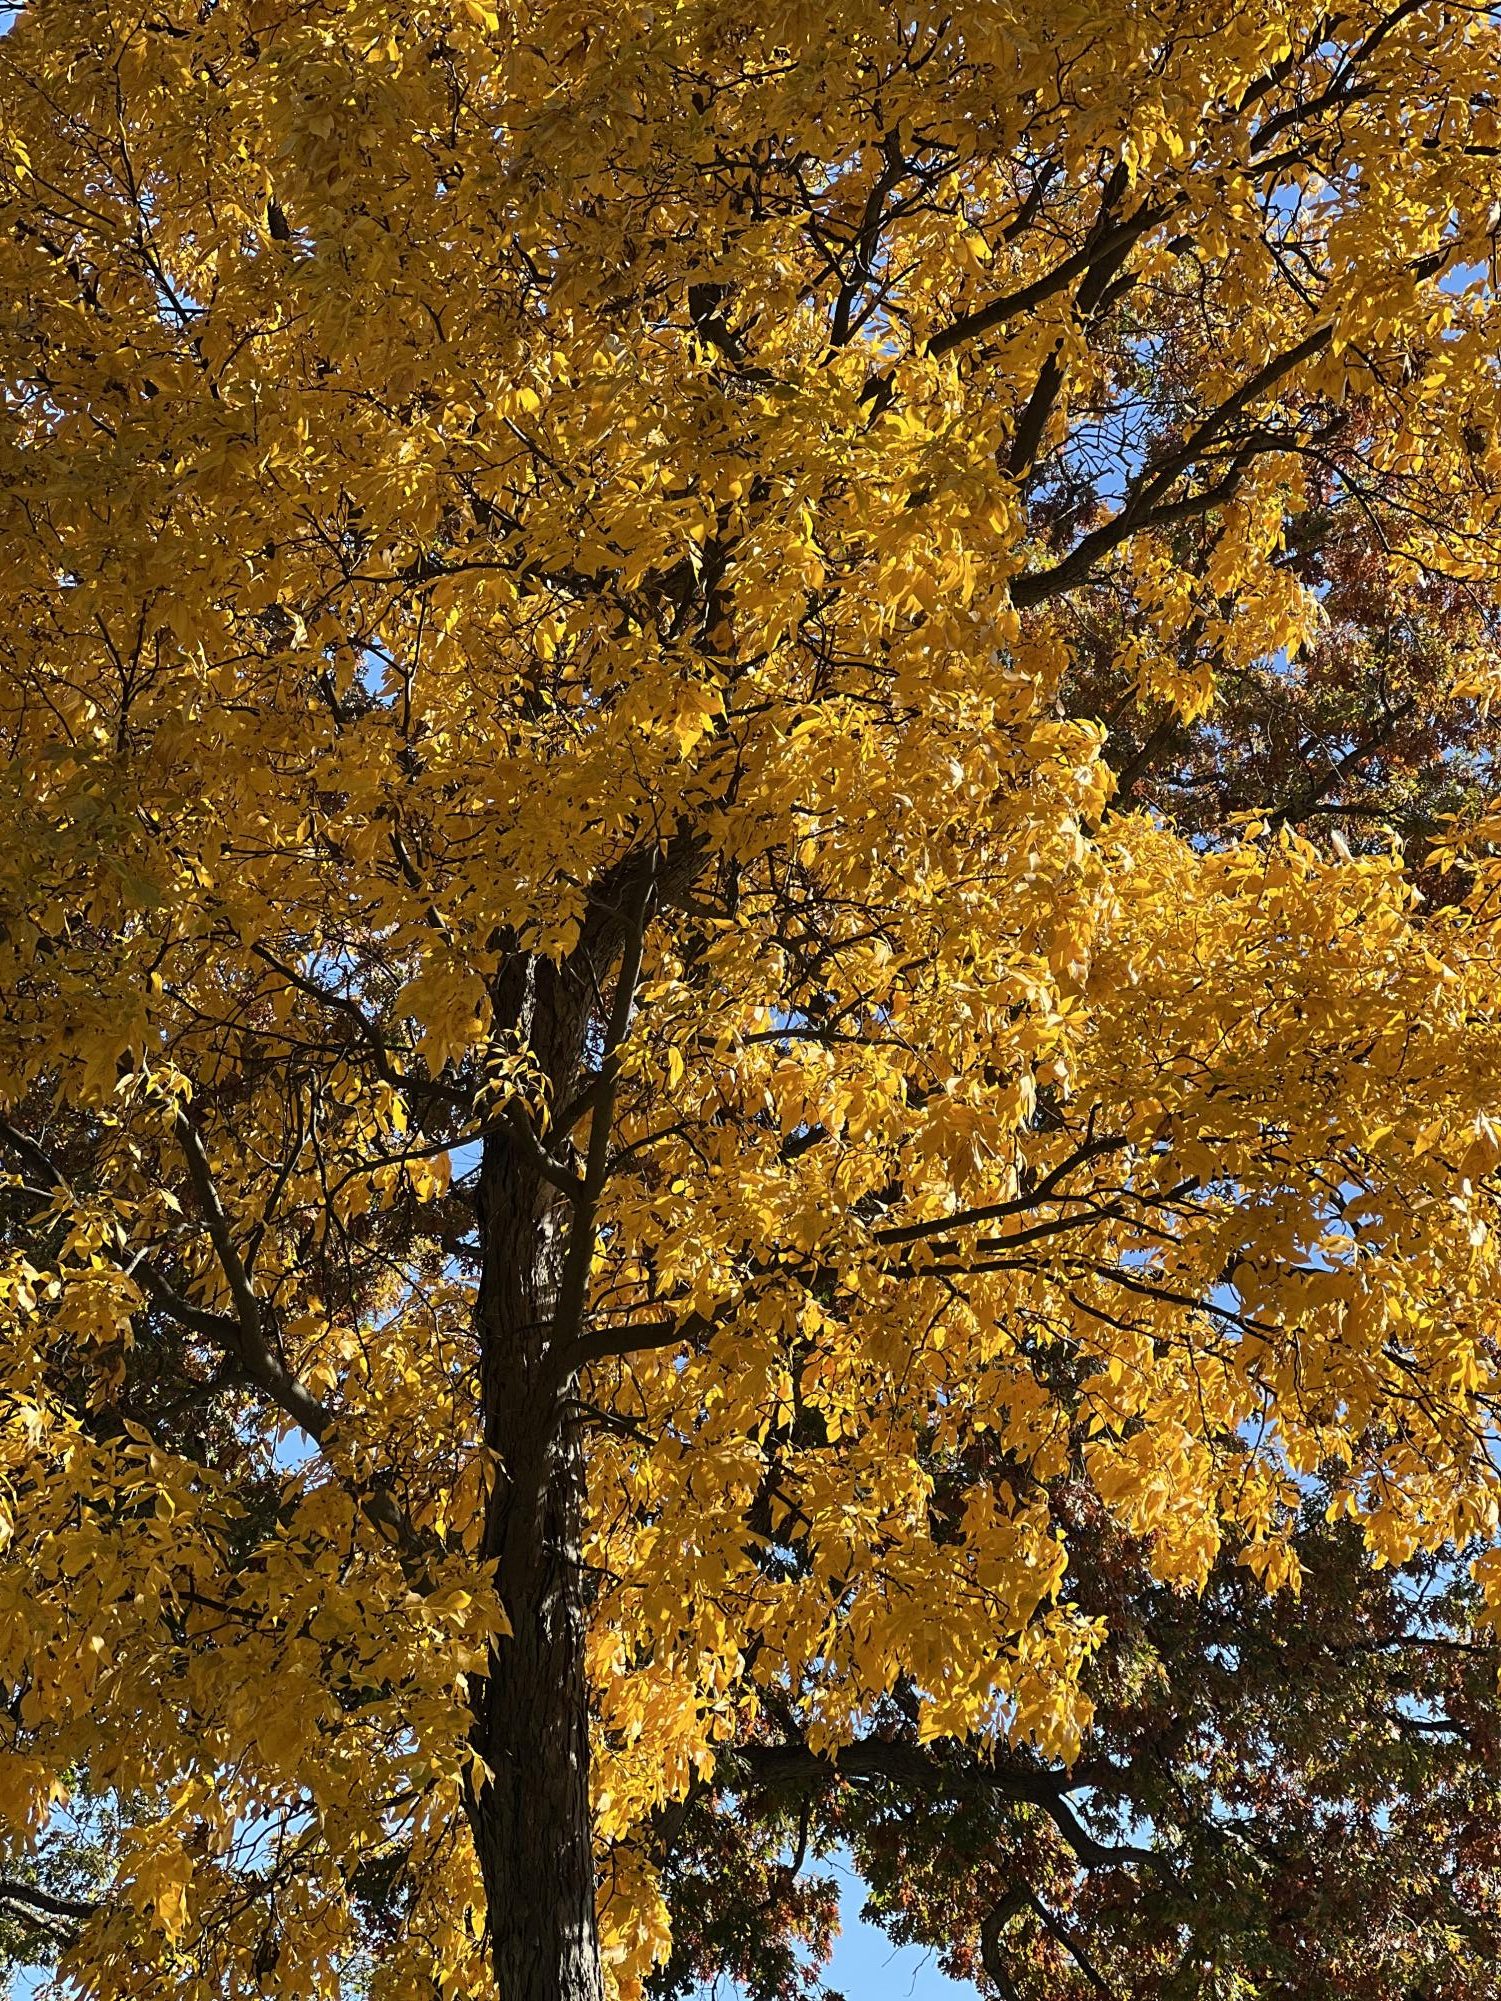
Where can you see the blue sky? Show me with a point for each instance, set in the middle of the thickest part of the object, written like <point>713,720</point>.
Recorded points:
<point>868,1967</point>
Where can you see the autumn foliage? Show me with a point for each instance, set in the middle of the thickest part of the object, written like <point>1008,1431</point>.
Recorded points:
<point>750,994</point>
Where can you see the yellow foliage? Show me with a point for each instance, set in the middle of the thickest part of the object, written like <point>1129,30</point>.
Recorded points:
<point>563,920</point>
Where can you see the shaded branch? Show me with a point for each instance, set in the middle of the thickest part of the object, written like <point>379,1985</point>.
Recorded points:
<point>1146,504</point>
<point>918,1767</point>
<point>369,1034</point>
<point>241,1335</point>
<point>75,1908</point>
<point>574,1284</point>
<point>994,1212</point>
<point>1110,243</point>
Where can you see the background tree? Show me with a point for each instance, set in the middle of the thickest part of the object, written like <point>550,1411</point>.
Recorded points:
<point>628,1159</point>
<point>1268,1805</point>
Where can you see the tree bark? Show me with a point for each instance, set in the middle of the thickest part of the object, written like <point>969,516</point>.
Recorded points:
<point>531,1820</point>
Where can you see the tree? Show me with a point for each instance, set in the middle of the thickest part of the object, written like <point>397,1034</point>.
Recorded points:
<point>626,1146</point>
<point>1267,1805</point>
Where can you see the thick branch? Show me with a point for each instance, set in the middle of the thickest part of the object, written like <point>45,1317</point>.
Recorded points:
<point>75,1908</point>
<point>603,1343</point>
<point>918,1767</point>
<point>1146,504</point>
<point>1109,244</point>
<point>995,1212</point>
<point>574,1283</point>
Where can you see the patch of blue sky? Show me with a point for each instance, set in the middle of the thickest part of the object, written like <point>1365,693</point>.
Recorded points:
<point>867,1965</point>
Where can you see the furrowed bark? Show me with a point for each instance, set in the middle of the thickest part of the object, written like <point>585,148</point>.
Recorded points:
<point>530,1818</point>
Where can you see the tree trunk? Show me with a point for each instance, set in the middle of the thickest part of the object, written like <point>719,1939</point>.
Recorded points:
<point>531,1822</point>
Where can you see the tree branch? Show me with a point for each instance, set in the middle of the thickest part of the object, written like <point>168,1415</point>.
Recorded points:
<point>1110,243</point>
<point>918,1767</point>
<point>76,1908</point>
<point>241,1335</point>
<point>995,1212</point>
<point>574,1283</point>
<point>1146,503</point>
<point>369,1034</point>
<point>605,1342</point>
